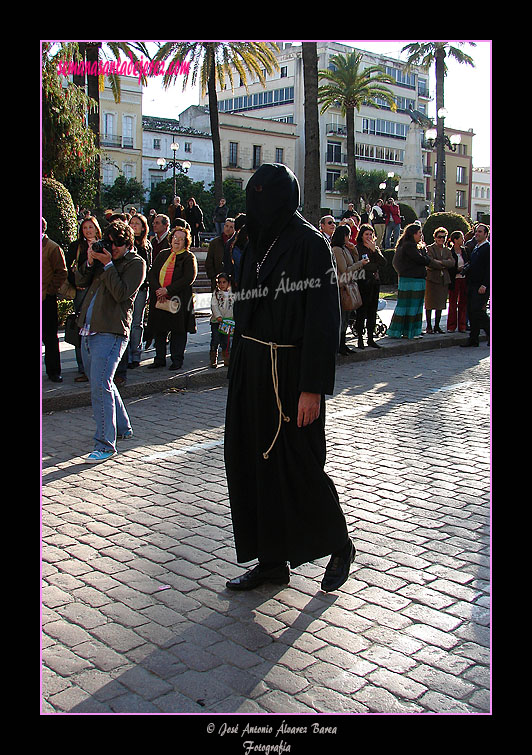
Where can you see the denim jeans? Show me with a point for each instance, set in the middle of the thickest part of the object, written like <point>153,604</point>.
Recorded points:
<point>137,326</point>
<point>101,354</point>
<point>392,229</point>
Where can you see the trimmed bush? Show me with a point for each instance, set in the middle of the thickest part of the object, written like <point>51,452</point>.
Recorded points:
<point>408,213</point>
<point>450,220</point>
<point>59,212</point>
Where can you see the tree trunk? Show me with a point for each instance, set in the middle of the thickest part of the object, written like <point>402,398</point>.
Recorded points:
<point>351,164</point>
<point>215,130</point>
<point>93,90</point>
<point>312,180</point>
<point>439,194</point>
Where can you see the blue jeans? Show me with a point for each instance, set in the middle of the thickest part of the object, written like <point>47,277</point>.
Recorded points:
<point>137,326</point>
<point>392,229</point>
<point>101,354</point>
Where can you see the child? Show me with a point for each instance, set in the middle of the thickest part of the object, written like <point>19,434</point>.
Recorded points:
<point>222,309</point>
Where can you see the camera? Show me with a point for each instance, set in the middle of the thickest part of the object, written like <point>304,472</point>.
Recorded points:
<point>103,245</point>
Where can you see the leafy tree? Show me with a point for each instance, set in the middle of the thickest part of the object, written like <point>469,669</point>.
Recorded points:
<point>59,212</point>
<point>368,185</point>
<point>124,191</point>
<point>450,220</point>
<point>425,54</point>
<point>213,61</point>
<point>349,87</point>
<point>68,144</point>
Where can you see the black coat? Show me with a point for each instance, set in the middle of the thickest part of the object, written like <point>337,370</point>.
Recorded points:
<point>184,275</point>
<point>285,507</point>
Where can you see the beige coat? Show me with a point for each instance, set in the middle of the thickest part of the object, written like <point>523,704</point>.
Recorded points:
<point>438,279</point>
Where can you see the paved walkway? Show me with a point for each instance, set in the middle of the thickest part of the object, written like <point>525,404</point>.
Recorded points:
<point>136,552</point>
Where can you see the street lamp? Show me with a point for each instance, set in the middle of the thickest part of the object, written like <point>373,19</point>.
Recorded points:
<point>384,184</point>
<point>174,164</point>
<point>436,137</point>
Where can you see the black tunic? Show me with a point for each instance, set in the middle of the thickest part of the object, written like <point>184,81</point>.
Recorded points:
<point>285,507</point>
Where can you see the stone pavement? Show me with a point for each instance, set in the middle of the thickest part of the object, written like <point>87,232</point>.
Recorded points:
<point>136,552</point>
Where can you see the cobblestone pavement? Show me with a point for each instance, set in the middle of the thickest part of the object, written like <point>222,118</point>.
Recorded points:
<point>136,552</point>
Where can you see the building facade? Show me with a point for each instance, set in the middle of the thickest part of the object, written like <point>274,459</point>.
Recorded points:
<point>380,132</point>
<point>481,195</point>
<point>158,134</point>
<point>121,131</point>
<point>246,141</point>
<point>458,173</point>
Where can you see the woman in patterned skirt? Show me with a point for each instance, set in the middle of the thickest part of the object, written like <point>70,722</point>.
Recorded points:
<point>410,262</point>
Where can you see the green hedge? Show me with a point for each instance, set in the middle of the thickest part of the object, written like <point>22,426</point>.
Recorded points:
<point>450,220</point>
<point>59,212</point>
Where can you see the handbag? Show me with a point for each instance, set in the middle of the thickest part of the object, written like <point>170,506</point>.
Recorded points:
<point>350,297</point>
<point>72,335</point>
<point>169,305</point>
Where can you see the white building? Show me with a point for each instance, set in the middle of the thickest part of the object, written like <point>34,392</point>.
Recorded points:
<point>480,195</point>
<point>158,134</point>
<point>380,133</point>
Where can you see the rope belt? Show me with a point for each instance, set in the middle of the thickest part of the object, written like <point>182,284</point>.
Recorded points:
<point>275,380</point>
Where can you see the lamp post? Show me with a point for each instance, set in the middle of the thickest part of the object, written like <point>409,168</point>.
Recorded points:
<point>435,137</point>
<point>174,164</point>
<point>384,185</point>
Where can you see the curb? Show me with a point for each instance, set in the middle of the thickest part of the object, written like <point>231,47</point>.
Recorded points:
<point>201,377</point>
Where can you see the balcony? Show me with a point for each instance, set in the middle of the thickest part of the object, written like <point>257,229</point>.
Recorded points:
<point>127,142</point>
<point>336,128</point>
<point>110,140</point>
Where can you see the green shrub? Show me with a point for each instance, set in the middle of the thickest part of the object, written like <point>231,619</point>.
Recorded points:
<point>408,213</point>
<point>59,212</point>
<point>450,220</point>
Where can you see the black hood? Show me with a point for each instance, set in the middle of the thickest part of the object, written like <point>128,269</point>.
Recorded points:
<point>272,199</point>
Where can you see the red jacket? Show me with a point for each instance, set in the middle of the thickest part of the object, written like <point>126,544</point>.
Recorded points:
<point>393,210</point>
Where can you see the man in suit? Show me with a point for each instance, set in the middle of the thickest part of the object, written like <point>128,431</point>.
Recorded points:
<point>478,286</point>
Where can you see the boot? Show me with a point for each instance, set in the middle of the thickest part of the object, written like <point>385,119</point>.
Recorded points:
<point>360,342</point>
<point>213,354</point>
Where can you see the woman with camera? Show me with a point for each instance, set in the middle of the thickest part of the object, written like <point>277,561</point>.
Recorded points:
<point>171,310</point>
<point>112,275</point>
<point>368,284</point>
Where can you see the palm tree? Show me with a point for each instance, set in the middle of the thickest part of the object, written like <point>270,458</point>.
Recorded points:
<point>424,54</point>
<point>312,180</point>
<point>213,61</point>
<point>349,87</point>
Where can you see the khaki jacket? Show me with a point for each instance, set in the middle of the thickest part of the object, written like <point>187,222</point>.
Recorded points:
<point>441,262</point>
<point>54,269</point>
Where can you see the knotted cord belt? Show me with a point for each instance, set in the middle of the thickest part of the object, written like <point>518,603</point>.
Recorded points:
<point>275,380</point>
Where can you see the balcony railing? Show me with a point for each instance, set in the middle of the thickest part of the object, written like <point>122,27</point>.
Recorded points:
<point>335,128</point>
<point>110,140</point>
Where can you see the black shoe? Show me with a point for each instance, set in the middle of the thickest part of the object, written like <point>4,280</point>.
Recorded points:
<point>175,366</point>
<point>345,350</point>
<point>373,344</point>
<point>337,570</point>
<point>437,329</point>
<point>133,365</point>
<point>55,378</point>
<point>278,575</point>
<point>156,363</point>
<point>468,343</point>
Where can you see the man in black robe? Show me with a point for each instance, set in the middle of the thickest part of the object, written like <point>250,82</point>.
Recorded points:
<point>284,506</point>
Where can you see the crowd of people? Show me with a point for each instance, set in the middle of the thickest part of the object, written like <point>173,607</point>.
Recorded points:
<point>452,272</point>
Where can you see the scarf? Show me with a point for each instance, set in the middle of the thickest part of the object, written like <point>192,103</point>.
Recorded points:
<point>167,270</point>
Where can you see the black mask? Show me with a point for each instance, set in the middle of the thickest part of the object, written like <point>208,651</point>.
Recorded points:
<point>272,199</point>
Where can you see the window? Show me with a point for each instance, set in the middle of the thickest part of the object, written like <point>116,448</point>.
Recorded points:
<point>128,171</point>
<point>156,144</point>
<point>334,152</point>
<point>233,154</point>
<point>108,124</point>
<point>127,128</point>
<point>331,178</point>
<point>188,146</point>
<point>284,72</point>
<point>108,174</point>
<point>279,155</point>
<point>257,155</point>
<point>461,174</point>
<point>460,199</point>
